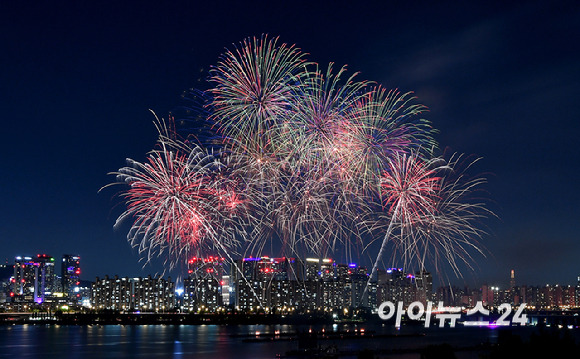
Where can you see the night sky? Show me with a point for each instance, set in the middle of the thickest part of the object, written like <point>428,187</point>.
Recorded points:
<point>77,80</point>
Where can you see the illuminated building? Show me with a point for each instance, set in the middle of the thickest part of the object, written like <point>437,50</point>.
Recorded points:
<point>313,285</point>
<point>296,270</point>
<point>248,290</point>
<point>395,285</point>
<point>424,287</point>
<point>33,279</point>
<point>84,293</point>
<point>203,287</point>
<point>203,267</point>
<point>24,280</point>
<point>487,296</point>
<point>153,294</point>
<point>391,285</point>
<point>264,282</point>
<point>327,269</point>
<point>226,290</point>
<point>127,294</point>
<point>316,268</point>
<point>358,278</point>
<point>6,272</point>
<point>46,277</point>
<point>453,296</point>
<point>272,268</point>
<point>307,294</point>
<point>341,271</point>
<point>201,293</point>
<point>333,295</point>
<point>70,277</point>
<point>569,296</point>
<point>280,294</point>
<point>112,294</point>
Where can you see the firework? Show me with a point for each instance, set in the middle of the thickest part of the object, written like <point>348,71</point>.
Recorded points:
<point>310,156</point>
<point>318,131</point>
<point>408,186</point>
<point>253,87</point>
<point>383,124</point>
<point>176,201</point>
<point>428,214</point>
<point>453,230</point>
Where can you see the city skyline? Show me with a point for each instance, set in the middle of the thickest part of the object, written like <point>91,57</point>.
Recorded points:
<point>276,285</point>
<point>507,282</point>
<point>499,81</point>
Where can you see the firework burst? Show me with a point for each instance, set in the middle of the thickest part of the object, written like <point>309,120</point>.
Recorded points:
<point>254,85</point>
<point>314,158</point>
<point>428,214</point>
<point>384,124</point>
<point>408,187</point>
<point>177,203</point>
<point>319,126</point>
<point>452,231</point>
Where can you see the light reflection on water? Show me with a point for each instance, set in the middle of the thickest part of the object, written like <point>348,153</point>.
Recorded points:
<point>206,341</point>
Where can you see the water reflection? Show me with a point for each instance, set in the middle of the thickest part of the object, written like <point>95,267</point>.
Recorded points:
<point>214,342</point>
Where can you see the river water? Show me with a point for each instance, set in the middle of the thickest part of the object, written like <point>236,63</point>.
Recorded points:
<point>221,341</point>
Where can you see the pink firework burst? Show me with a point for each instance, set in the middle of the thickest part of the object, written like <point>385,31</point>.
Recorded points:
<point>176,203</point>
<point>429,212</point>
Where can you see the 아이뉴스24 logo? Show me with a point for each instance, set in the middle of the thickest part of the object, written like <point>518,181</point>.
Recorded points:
<point>419,311</point>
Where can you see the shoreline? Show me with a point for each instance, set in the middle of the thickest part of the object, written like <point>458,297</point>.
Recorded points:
<point>558,319</point>
<point>162,318</point>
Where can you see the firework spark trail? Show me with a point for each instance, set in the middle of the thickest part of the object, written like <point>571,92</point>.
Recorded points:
<point>313,157</point>
<point>452,232</point>
<point>177,204</point>
<point>253,86</point>
<point>383,124</point>
<point>409,187</point>
<point>319,118</point>
<point>312,141</point>
<point>313,146</point>
<point>429,214</point>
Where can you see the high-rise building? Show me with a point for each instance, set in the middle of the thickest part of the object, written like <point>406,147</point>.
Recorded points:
<point>512,279</point>
<point>47,276</point>
<point>204,267</point>
<point>391,284</point>
<point>113,293</point>
<point>256,280</point>
<point>243,274</point>
<point>316,268</point>
<point>424,286</point>
<point>327,267</point>
<point>144,294</point>
<point>203,287</point>
<point>311,268</point>
<point>33,278</point>
<point>272,268</point>
<point>70,277</point>
<point>153,294</point>
<point>296,270</point>
<point>226,290</point>
<point>24,279</point>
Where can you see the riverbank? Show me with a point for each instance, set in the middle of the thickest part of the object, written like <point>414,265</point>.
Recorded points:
<point>161,318</point>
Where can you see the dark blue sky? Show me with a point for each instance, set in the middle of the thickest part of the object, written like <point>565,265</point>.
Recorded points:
<point>77,79</point>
